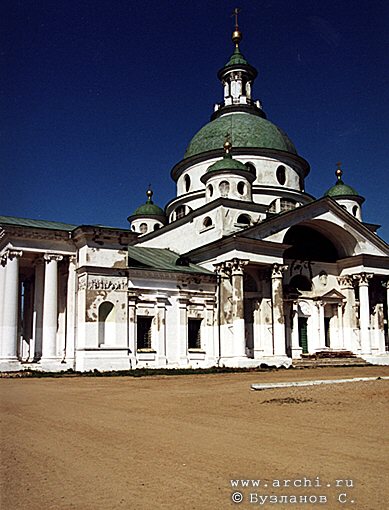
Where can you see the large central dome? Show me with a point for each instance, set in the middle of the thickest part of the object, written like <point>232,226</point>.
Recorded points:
<point>244,130</point>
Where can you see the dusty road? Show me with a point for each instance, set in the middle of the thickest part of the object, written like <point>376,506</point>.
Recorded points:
<point>176,442</point>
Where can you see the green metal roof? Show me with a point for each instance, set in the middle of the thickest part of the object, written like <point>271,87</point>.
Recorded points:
<point>340,189</point>
<point>25,222</point>
<point>149,209</point>
<point>236,58</point>
<point>162,260</point>
<point>245,130</point>
<point>227,163</point>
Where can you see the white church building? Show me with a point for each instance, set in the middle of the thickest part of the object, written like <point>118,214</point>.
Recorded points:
<point>243,267</point>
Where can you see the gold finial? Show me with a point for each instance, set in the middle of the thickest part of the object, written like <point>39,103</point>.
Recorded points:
<point>236,34</point>
<point>227,146</point>
<point>339,172</point>
<point>149,193</point>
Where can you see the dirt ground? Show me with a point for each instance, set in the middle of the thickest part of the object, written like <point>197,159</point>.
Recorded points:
<point>176,442</point>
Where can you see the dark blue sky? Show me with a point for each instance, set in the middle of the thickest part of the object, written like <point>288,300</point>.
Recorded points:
<point>101,97</point>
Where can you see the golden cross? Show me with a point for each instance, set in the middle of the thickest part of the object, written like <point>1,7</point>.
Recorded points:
<point>339,164</point>
<point>235,13</point>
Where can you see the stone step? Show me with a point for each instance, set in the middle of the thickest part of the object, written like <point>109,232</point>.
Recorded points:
<point>330,362</point>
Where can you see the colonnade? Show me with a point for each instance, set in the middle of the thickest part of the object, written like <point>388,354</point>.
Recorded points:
<point>36,307</point>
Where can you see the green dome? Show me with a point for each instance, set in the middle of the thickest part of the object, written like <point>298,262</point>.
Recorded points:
<point>227,163</point>
<point>341,190</point>
<point>149,209</point>
<point>245,130</point>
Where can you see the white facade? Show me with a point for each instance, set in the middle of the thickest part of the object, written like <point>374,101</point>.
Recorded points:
<point>249,271</point>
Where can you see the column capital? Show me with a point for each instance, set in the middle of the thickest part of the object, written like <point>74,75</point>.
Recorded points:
<point>10,255</point>
<point>229,267</point>
<point>277,270</point>
<point>346,281</point>
<point>385,284</point>
<point>72,259</point>
<point>363,278</point>
<point>49,257</point>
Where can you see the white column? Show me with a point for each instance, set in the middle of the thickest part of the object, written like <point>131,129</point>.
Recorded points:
<point>50,306</point>
<point>239,349</point>
<point>321,332</point>
<point>10,314</point>
<point>279,344</point>
<point>349,317</point>
<point>37,322</point>
<point>364,311</point>
<point>71,309</point>
<point>340,326</point>
<point>296,349</point>
<point>210,346</point>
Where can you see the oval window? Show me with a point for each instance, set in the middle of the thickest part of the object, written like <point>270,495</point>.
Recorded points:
<point>143,228</point>
<point>187,182</point>
<point>281,174</point>
<point>241,188</point>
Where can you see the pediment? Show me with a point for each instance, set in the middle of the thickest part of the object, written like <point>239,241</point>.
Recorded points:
<point>326,216</point>
<point>333,294</point>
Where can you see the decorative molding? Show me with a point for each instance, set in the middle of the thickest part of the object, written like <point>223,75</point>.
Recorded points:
<point>101,283</point>
<point>346,281</point>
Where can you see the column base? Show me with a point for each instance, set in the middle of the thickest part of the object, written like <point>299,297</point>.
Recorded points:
<point>10,365</point>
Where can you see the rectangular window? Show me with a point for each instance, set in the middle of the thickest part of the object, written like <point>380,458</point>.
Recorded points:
<point>143,332</point>
<point>194,333</point>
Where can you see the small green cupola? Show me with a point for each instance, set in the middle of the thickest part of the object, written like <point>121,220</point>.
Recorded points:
<point>228,178</point>
<point>237,78</point>
<point>147,217</point>
<point>345,195</point>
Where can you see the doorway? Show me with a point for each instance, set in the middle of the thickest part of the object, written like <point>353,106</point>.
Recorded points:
<point>303,334</point>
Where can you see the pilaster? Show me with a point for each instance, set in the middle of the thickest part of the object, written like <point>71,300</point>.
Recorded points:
<point>279,341</point>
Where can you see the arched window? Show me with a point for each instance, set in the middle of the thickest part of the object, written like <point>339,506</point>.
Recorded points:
<point>156,226</point>
<point>355,210</point>
<point>273,207</point>
<point>300,282</point>
<point>106,315</point>
<point>180,212</point>
<point>224,188</point>
<point>287,205</point>
<point>309,244</point>
<point>143,228</point>
<point>207,222</point>
<point>187,182</point>
<point>241,188</point>
<point>281,174</point>
<point>244,219</point>
<point>210,190</point>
